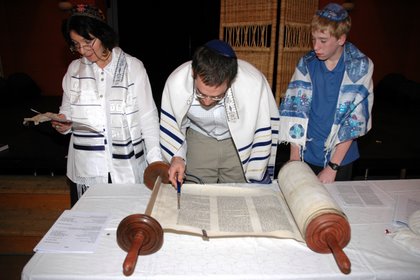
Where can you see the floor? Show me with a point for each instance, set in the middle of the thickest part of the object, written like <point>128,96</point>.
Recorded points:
<point>11,266</point>
<point>27,201</point>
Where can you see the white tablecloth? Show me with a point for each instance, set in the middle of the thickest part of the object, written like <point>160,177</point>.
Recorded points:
<point>372,253</point>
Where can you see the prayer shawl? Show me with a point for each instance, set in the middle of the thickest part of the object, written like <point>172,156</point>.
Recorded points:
<point>88,147</point>
<point>252,116</point>
<point>354,106</point>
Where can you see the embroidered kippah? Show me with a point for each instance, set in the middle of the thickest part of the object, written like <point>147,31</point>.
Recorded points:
<point>88,11</point>
<point>221,47</point>
<point>334,12</point>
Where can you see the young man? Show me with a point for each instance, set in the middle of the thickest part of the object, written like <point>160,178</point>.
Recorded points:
<point>329,100</point>
<point>219,119</point>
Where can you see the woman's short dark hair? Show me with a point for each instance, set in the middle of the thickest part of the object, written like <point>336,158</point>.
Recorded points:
<point>88,27</point>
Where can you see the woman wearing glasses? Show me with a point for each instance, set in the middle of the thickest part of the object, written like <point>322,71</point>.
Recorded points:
<point>219,120</point>
<point>108,107</point>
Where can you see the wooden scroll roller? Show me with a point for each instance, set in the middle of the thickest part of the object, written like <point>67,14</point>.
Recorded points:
<point>154,170</point>
<point>141,234</point>
<point>138,234</point>
<point>320,220</point>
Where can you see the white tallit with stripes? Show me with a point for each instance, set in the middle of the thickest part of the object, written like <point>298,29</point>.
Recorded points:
<point>89,152</point>
<point>251,111</point>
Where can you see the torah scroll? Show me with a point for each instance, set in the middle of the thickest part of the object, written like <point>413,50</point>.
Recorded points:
<point>322,223</point>
<point>298,206</point>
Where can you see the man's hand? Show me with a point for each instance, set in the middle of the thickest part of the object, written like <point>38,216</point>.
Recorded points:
<point>327,175</point>
<point>177,171</point>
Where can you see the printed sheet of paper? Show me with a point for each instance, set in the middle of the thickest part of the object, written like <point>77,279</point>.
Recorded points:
<point>352,194</point>
<point>406,205</point>
<point>73,232</point>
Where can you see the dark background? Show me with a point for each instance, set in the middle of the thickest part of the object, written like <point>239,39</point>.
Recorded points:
<point>164,38</point>
<point>164,33</point>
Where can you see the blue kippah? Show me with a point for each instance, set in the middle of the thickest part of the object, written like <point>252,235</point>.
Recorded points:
<point>221,47</point>
<point>334,12</point>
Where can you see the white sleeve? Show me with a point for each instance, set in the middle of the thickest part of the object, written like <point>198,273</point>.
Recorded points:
<point>148,112</point>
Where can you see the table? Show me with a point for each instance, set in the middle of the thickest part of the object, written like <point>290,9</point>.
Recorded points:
<point>373,254</point>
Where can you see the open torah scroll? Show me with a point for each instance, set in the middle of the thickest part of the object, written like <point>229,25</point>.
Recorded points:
<point>299,208</point>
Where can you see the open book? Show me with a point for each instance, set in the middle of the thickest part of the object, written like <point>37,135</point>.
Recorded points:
<point>300,207</point>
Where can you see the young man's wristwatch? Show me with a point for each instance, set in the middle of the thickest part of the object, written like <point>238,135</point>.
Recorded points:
<point>334,166</point>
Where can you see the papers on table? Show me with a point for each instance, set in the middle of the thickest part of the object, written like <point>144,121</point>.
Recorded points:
<point>407,204</point>
<point>74,232</point>
<point>355,194</point>
<point>399,202</point>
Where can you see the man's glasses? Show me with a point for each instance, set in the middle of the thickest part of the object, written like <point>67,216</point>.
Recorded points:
<point>214,98</point>
<point>87,47</point>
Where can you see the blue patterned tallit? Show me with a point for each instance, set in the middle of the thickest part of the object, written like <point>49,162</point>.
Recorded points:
<point>353,112</point>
